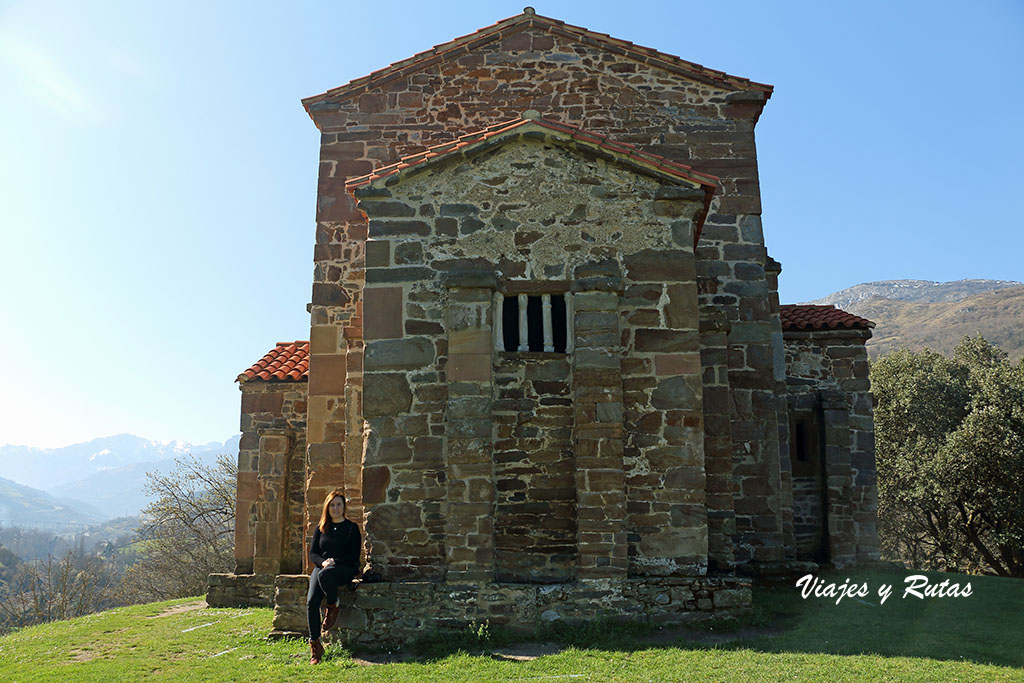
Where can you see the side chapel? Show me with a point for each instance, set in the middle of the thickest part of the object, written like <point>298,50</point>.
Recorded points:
<point>547,361</point>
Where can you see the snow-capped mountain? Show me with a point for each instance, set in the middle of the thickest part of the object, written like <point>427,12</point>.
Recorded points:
<point>108,473</point>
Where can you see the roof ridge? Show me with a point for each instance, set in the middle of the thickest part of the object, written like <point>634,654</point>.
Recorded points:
<point>529,19</point>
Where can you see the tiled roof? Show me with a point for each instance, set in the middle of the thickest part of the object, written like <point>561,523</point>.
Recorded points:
<point>635,155</point>
<point>813,317</point>
<point>520,22</point>
<point>286,362</point>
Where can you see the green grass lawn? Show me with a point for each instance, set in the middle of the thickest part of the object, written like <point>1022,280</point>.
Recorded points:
<point>980,637</point>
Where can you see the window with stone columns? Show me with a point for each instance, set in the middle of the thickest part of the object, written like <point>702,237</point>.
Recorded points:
<point>533,322</point>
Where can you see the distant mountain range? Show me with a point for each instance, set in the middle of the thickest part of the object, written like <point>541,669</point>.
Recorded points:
<point>106,476</point>
<point>25,506</point>
<point>921,313</point>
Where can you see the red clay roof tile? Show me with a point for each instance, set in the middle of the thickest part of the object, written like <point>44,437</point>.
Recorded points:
<point>286,362</point>
<point>519,22</point>
<point>813,317</point>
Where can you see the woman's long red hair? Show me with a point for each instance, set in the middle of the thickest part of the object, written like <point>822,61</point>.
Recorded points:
<point>325,517</point>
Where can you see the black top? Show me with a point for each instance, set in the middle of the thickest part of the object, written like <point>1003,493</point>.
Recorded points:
<point>342,542</point>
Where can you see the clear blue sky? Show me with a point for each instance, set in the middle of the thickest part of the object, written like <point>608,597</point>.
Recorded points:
<point>158,174</point>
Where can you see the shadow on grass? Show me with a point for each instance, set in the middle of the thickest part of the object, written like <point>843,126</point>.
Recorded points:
<point>984,628</point>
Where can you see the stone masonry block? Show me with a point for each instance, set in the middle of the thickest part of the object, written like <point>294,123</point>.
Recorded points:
<point>678,341</point>
<point>327,374</point>
<point>324,339</point>
<point>375,483</point>
<point>656,265</point>
<point>677,364</point>
<point>382,313</point>
<point>397,354</point>
<point>386,394</point>
<point>378,253</point>
<point>469,367</point>
<point>677,392</point>
<point>473,340</point>
<point>267,402</point>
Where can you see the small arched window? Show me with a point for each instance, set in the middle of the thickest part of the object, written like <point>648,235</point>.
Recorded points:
<point>533,322</point>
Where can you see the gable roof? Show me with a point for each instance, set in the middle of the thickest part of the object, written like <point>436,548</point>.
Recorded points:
<point>530,19</point>
<point>286,362</point>
<point>625,154</point>
<point>814,317</point>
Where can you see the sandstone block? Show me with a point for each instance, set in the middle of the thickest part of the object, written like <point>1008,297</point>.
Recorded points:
<point>681,308</point>
<point>469,367</point>
<point>327,374</point>
<point>677,364</point>
<point>472,340</point>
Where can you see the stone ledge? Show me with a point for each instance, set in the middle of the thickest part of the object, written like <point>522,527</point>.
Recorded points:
<point>240,590</point>
<point>386,613</point>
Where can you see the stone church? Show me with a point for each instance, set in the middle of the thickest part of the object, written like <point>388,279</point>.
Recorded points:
<point>547,361</point>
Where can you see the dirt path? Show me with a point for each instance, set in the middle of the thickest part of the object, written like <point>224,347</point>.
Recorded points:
<point>181,609</point>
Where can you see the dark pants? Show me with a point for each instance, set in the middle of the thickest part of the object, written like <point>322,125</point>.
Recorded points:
<point>324,583</point>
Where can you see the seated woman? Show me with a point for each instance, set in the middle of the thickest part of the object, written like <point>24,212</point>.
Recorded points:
<point>334,552</point>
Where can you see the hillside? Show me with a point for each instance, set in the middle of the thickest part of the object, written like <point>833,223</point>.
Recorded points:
<point>920,291</point>
<point>918,314</point>
<point>25,506</point>
<point>969,638</point>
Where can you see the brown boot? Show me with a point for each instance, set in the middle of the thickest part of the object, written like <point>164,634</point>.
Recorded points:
<point>330,617</point>
<point>316,651</point>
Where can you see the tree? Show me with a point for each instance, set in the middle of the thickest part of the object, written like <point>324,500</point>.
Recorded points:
<point>950,458</point>
<point>8,564</point>
<point>68,586</point>
<point>187,532</point>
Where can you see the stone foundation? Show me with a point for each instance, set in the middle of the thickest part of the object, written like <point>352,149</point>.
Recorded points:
<point>389,613</point>
<point>240,590</point>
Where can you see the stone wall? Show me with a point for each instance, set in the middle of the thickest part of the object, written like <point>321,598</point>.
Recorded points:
<point>808,517</point>
<point>270,493</point>
<point>617,453</point>
<point>705,124</point>
<point>534,468</point>
<point>271,478</point>
<point>828,377</point>
<point>395,613</point>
